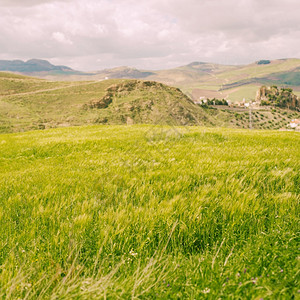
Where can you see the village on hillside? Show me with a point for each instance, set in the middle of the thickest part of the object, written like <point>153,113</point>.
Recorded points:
<point>267,98</point>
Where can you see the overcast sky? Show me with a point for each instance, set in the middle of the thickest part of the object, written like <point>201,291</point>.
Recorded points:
<point>149,34</point>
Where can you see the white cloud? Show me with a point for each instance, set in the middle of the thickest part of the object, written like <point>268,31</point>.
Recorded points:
<point>61,38</point>
<point>95,34</point>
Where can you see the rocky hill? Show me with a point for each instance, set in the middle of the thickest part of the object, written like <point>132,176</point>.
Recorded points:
<point>283,97</point>
<point>137,101</point>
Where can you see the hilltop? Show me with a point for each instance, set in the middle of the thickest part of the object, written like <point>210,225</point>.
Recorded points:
<point>137,101</point>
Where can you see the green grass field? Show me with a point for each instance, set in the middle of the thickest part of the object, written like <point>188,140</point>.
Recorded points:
<point>149,212</point>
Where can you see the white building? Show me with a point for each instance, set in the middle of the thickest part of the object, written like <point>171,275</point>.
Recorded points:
<point>295,124</point>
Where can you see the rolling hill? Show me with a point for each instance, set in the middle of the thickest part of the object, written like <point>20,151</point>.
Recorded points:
<point>28,103</point>
<point>197,79</point>
<point>231,82</point>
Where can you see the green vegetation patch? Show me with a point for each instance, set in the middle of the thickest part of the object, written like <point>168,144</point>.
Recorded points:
<point>149,212</point>
<point>264,62</point>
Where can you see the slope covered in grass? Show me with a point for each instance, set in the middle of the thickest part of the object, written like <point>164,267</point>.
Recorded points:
<point>149,212</point>
<point>204,78</point>
<point>233,82</point>
<point>144,102</point>
<point>243,81</point>
<point>11,84</point>
<point>27,103</point>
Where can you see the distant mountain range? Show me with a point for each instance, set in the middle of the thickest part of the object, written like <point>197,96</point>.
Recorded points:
<point>197,79</point>
<point>35,66</point>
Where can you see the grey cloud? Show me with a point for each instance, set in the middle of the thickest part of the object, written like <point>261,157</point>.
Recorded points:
<point>234,16</point>
<point>143,33</point>
<point>24,3</point>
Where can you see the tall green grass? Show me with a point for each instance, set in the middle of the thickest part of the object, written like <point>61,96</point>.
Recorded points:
<point>149,212</point>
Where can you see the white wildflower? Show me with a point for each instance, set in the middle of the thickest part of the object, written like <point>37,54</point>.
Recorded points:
<point>132,253</point>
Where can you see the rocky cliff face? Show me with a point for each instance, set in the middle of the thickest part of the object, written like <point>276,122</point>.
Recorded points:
<point>283,97</point>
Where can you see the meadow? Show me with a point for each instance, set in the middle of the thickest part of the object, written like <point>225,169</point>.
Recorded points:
<point>149,212</point>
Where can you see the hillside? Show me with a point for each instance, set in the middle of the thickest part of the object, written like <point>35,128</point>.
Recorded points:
<point>147,102</point>
<point>123,72</point>
<point>197,79</point>
<point>14,84</point>
<point>261,117</point>
<point>210,80</point>
<point>140,212</point>
<point>244,81</point>
<point>28,103</point>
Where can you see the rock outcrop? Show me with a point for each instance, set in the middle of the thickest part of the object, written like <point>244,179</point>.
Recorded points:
<point>137,101</point>
<point>283,97</point>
